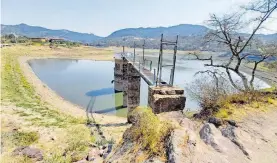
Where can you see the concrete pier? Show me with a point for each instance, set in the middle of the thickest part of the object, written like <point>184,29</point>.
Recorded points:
<point>121,77</point>
<point>166,99</point>
<point>133,92</point>
<point>161,98</point>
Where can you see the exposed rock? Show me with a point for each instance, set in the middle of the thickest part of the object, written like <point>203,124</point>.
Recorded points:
<point>33,153</point>
<point>229,132</point>
<point>110,147</point>
<point>187,123</point>
<point>92,154</point>
<point>182,142</point>
<point>105,155</point>
<point>175,151</point>
<point>232,123</point>
<point>216,121</point>
<point>101,152</point>
<point>104,147</point>
<point>195,115</point>
<point>207,134</point>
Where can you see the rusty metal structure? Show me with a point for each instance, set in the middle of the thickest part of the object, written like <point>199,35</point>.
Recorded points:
<point>160,62</point>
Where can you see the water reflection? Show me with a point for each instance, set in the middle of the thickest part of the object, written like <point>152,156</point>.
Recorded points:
<point>89,83</point>
<point>74,80</point>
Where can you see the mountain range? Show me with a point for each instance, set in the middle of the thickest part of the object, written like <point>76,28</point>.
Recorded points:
<point>189,35</point>
<point>36,31</point>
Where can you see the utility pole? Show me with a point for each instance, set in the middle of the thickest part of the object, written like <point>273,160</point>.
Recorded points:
<point>134,59</point>
<point>143,60</point>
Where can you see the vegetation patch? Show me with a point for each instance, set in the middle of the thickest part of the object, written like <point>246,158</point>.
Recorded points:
<point>62,137</point>
<point>149,132</point>
<point>237,105</point>
<point>16,89</point>
<point>75,145</point>
<point>20,138</point>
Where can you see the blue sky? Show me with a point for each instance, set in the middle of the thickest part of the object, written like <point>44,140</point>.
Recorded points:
<point>102,17</point>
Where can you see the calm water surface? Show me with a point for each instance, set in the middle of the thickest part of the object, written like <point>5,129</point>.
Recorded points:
<point>74,79</point>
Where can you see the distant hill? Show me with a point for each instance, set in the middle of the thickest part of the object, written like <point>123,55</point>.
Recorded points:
<point>268,38</point>
<point>181,30</point>
<point>190,36</point>
<point>35,31</point>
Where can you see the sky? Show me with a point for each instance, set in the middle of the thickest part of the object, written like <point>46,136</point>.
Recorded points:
<point>102,17</point>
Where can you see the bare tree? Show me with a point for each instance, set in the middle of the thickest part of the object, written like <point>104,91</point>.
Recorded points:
<point>226,31</point>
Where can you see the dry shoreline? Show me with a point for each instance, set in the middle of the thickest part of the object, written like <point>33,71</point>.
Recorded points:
<point>50,96</point>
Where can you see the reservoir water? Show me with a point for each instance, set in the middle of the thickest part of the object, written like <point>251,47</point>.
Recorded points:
<point>75,79</point>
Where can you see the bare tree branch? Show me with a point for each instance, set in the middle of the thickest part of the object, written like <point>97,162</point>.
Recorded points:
<point>226,31</point>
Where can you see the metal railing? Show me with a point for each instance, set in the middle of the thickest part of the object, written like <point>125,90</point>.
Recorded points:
<point>157,72</point>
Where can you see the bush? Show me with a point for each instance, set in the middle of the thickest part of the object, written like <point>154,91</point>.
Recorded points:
<point>207,93</point>
<point>149,131</point>
<point>220,100</point>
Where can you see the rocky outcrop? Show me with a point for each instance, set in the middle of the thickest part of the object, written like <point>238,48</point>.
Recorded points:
<point>216,121</point>
<point>229,132</point>
<point>182,142</point>
<point>209,135</point>
<point>33,153</point>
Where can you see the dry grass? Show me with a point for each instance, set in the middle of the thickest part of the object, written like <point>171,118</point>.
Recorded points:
<point>239,105</point>
<point>149,132</point>
<point>28,120</point>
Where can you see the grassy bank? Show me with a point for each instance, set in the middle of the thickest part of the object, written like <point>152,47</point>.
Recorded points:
<point>28,120</point>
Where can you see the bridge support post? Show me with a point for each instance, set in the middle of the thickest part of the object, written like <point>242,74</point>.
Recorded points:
<point>166,99</point>
<point>133,90</point>
<point>120,78</point>
<point>125,82</point>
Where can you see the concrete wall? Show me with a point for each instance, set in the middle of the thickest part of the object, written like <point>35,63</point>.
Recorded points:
<point>166,99</point>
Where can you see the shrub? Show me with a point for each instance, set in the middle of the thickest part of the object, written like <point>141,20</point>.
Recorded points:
<point>149,131</point>
<point>207,93</point>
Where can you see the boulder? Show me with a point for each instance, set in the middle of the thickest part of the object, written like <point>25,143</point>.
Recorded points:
<point>232,123</point>
<point>110,147</point>
<point>229,132</point>
<point>181,145</point>
<point>30,152</point>
<point>174,149</point>
<point>208,133</point>
<point>216,121</point>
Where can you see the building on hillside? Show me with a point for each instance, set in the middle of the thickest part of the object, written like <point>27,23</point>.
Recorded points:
<point>55,40</point>
<point>38,39</point>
